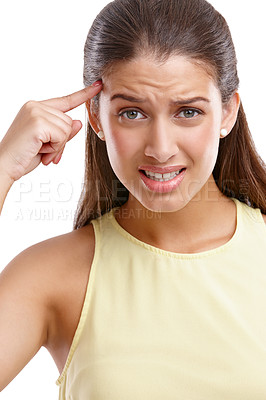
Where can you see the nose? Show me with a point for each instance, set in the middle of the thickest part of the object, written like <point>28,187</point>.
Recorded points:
<point>161,142</point>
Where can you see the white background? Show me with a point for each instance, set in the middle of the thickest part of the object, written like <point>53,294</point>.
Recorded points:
<point>41,47</point>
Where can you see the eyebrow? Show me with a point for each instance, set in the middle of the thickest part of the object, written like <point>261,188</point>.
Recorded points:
<point>128,98</point>
<point>190,100</point>
<point>174,103</point>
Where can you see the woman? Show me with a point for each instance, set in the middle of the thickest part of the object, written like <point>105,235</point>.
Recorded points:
<point>164,296</point>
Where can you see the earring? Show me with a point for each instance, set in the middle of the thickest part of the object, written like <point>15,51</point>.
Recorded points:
<point>224,132</point>
<point>100,135</point>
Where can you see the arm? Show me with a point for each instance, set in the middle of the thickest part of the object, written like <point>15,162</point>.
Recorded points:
<point>42,292</point>
<point>28,284</point>
<point>24,315</point>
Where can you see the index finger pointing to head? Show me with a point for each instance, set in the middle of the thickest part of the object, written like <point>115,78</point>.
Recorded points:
<point>67,103</point>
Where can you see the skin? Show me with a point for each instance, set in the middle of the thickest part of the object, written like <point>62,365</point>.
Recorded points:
<point>42,290</point>
<point>195,216</point>
<point>37,135</point>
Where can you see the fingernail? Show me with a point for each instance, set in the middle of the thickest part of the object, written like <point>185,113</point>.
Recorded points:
<point>97,83</point>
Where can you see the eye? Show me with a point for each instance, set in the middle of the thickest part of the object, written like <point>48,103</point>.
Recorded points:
<point>131,114</point>
<point>189,113</point>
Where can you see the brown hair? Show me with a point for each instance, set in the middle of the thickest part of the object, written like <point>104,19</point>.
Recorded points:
<point>125,29</point>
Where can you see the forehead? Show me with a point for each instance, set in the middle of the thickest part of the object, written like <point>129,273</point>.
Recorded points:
<point>177,75</point>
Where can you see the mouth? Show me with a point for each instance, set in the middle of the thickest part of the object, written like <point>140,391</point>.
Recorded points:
<point>162,182</point>
<point>158,177</point>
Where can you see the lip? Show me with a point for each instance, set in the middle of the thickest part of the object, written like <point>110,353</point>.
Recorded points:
<point>161,170</point>
<point>162,187</point>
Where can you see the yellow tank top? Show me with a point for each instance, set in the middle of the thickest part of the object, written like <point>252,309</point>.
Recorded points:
<point>158,325</point>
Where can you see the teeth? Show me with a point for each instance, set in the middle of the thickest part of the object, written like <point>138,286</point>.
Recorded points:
<point>162,177</point>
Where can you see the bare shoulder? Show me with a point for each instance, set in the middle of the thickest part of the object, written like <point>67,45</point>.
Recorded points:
<point>54,260</point>
<point>61,268</point>
<point>68,268</point>
<point>46,286</point>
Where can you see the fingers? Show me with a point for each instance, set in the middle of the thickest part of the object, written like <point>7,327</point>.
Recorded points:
<point>40,132</point>
<point>76,127</point>
<point>53,157</point>
<point>53,111</point>
<point>67,103</point>
<point>52,151</point>
<point>48,158</point>
<point>58,157</point>
<point>66,128</point>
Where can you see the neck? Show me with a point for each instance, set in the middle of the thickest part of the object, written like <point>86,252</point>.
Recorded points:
<point>208,217</point>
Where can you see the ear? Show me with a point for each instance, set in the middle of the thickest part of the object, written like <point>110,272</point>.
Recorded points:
<point>93,117</point>
<point>230,112</point>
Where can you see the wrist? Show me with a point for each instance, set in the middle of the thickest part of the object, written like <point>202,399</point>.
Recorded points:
<point>5,177</point>
<point>5,184</point>
<point>5,180</point>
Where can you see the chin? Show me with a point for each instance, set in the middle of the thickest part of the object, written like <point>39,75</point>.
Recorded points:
<point>167,203</point>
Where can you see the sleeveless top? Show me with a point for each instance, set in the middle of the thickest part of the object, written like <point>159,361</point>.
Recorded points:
<point>161,325</point>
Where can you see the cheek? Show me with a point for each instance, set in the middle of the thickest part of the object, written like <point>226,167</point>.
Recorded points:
<point>121,149</point>
<point>118,144</point>
<point>110,133</point>
<point>123,141</point>
<point>203,145</point>
<point>122,144</point>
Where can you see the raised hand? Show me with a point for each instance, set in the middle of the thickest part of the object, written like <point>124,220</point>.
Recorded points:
<point>40,132</point>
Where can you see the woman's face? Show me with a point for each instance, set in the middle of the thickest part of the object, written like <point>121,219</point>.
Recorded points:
<point>162,126</point>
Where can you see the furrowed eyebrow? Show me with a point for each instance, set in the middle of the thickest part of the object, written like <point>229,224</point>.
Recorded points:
<point>189,101</point>
<point>174,103</point>
<point>128,98</point>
